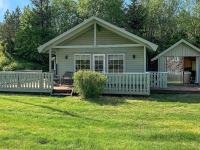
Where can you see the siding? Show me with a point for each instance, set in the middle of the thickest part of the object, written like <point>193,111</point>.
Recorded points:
<point>182,50</point>
<point>131,65</point>
<point>106,37</point>
<point>84,38</point>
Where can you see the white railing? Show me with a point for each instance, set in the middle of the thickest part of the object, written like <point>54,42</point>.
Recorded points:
<point>158,79</point>
<point>26,82</point>
<point>128,83</point>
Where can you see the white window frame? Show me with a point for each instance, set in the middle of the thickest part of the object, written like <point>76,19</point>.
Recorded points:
<point>104,61</point>
<point>123,62</point>
<point>82,55</point>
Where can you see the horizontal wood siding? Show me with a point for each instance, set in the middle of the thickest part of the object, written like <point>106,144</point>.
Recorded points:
<point>131,64</point>
<point>26,82</point>
<point>106,37</point>
<point>128,83</point>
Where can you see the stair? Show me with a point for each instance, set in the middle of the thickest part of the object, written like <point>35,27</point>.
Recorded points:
<point>62,91</point>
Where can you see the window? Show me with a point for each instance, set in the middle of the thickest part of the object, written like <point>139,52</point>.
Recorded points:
<point>82,62</point>
<point>99,62</point>
<point>116,63</point>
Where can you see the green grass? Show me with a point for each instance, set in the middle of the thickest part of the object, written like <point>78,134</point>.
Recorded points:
<point>44,122</point>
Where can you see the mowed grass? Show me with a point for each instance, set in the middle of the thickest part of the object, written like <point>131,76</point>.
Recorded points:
<point>44,122</point>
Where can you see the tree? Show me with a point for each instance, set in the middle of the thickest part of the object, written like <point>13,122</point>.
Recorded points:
<point>9,29</point>
<point>64,14</point>
<point>35,29</point>
<point>136,17</point>
<point>112,10</point>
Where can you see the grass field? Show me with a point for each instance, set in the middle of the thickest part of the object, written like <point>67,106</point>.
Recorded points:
<point>44,122</point>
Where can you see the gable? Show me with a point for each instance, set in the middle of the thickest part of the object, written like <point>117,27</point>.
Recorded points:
<point>85,37</point>
<point>182,50</point>
<point>70,36</point>
<point>103,37</point>
<point>106,37</point>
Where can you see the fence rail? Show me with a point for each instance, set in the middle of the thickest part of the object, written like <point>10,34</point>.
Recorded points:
<point>26,82</point>
<point>128,83</point>
<point>158,79</point>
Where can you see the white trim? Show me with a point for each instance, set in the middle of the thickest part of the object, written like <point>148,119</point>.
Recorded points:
<point>98,46</point>
<point>54,62</point>
<point>95,34</point>
<point>82,55</point>
<point>124,63</point>
<point>50,57</point>
<point>173,46</point>
<point>104,61</point>
<point>145,59</point>
<point>101,22</point>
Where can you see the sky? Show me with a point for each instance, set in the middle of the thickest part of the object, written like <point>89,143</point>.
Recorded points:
<point>12,4</point>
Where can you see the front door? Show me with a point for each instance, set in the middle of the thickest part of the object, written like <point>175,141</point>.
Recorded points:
<point>99,62</point>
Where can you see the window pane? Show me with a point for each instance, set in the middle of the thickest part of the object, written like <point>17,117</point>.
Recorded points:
<point>82,62</point>
<point>115,63</point>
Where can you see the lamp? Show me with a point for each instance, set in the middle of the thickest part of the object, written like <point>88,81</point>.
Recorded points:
<point>66,57</point>
<point>133,56</point>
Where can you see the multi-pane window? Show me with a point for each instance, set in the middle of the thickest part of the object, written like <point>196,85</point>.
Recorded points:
<point>99,62</point>
<point>115,63</point>
<point>82,62</point>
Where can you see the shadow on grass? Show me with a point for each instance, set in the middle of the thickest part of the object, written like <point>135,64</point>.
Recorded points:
<point>176,137</point>
<point>64,112</point>
<point>182,98</point>
<point>105,100</point>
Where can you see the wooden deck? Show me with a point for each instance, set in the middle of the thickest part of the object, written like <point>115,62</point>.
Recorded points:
<point>179,89</point>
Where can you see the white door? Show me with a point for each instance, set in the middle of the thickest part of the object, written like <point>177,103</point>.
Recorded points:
<point>99,62</point>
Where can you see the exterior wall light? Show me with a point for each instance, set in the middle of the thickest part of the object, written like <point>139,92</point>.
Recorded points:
<point>133,56</point>
<point>66,57</point>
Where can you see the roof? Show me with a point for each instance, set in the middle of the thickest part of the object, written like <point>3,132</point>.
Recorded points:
<point>173,46</point>
<point>101,22</point>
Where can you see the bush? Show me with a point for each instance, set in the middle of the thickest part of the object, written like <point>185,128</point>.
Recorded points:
<point>89,84</point>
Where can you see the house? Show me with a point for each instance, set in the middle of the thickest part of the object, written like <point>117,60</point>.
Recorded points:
<point>101,46</point>
<point>97,45</point>
<point>181,61</point>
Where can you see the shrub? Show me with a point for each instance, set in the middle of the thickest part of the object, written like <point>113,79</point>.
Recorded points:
<point>89,84</point>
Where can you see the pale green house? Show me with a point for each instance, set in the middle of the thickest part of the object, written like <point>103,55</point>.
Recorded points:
<point>97,45</point>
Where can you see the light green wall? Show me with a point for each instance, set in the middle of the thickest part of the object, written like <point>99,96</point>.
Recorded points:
<point>131,65</point>
<point>182,50</point>
<point>104,37</point>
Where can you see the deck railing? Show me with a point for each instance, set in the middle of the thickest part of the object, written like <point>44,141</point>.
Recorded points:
<point>26,82</point>
<point>128,83</point>
<point>158,79</point>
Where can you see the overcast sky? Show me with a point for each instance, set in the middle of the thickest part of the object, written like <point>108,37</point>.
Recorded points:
<point>12,4</point>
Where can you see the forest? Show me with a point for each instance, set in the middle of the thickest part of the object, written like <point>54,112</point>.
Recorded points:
<point>163,22</point>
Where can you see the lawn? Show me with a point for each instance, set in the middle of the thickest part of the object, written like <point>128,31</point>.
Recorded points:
<point>44,122</point>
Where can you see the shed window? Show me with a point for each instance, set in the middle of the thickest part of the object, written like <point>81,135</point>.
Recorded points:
<point>82,62</point>
<point>116,63</point>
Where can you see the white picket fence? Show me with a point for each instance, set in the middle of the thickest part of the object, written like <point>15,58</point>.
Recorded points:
<point>128,83</point>
<point>158,79</point>
<point>26,82</point>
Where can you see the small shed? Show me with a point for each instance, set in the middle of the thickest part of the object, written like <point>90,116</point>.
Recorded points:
<point>181,61</point>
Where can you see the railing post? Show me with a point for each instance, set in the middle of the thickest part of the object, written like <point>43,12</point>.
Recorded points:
<point>41,78</point>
